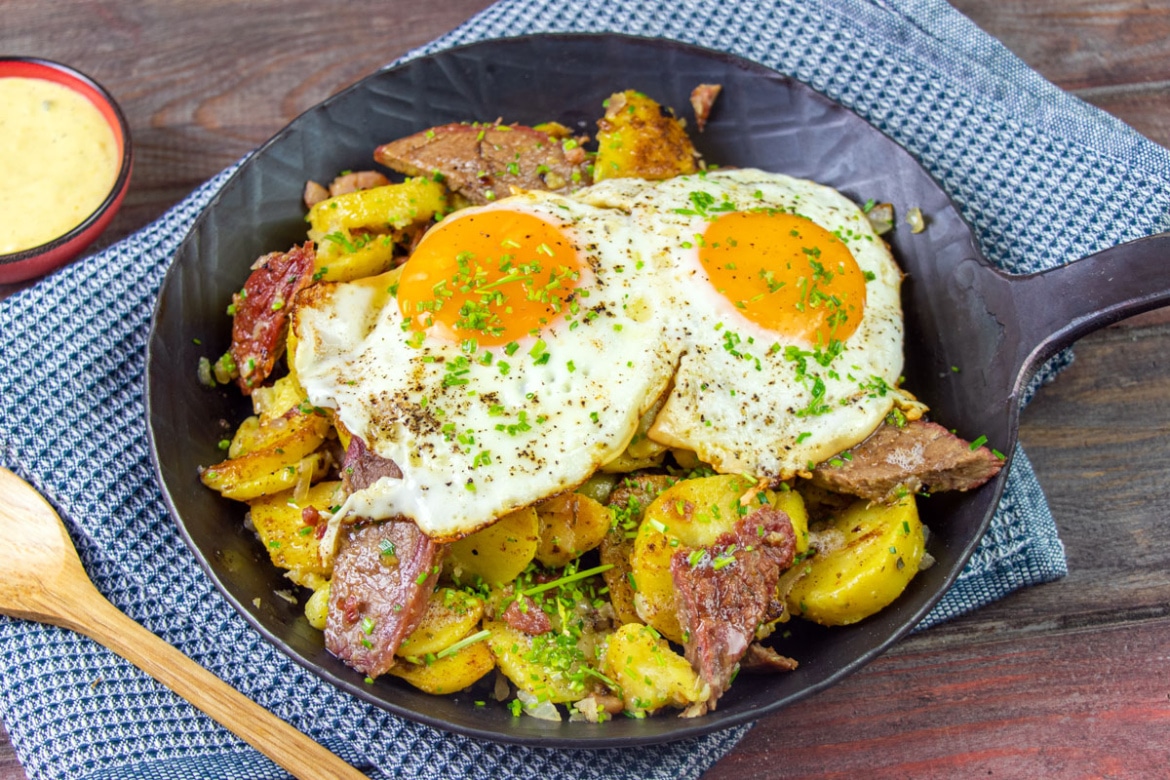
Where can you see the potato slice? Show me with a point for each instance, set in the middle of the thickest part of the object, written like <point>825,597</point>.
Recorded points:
<point>276,410</point>
<point>263,473</point>
<point>350,230</point>
<point>451,615</point>
<point>391,205</point>
<point>317,607</point>
<point>272,402</point>
<point>570,524</point>
<point>499,552</point>
<point>650,674</point>
<point>866,556</point>
<point>691,513</point>
<point>289,448</point>
<point>791,503</point>
<point>343,256</point>
<point>448,674</point>
<point>291,543</point>
<point>628,502</point>
<point>616,550</point>
<point>637,138</point>
<point>549,666</point>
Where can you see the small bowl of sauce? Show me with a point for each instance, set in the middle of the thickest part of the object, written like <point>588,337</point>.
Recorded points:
<point>65,161</point>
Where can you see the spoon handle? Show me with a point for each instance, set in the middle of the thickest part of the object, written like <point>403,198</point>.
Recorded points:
<point>292,750</point>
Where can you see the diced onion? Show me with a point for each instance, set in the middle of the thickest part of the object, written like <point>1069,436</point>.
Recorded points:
<point>541,710</point>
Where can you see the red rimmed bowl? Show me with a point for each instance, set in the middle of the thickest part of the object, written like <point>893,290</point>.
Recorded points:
<point>55,252</point>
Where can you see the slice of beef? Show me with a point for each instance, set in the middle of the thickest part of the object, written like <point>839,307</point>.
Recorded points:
<point>722,592</point>
<point>483,162</point>
<point>917,456</point>
<point>363,467</point>
<point>525,615</point>
<point>262,310</point>
<point>761,659</point>
<point>383,575</point>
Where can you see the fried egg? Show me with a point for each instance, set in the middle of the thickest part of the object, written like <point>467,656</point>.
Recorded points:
<point>517,348</point>
<point>788,318</point>
<point>510,358</point>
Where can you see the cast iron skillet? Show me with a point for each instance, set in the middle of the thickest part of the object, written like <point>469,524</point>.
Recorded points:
<point>959,312</point>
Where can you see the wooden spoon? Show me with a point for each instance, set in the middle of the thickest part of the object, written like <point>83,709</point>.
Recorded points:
<point>44,581</point>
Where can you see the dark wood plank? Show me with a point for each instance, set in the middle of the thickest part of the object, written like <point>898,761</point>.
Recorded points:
<point>1080,44</point>
<point>1064,680</point>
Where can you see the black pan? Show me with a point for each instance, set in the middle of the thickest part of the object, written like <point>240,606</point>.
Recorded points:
<point>959,312</point>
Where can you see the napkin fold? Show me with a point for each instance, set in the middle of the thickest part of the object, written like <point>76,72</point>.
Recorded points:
<point>1042,177</point>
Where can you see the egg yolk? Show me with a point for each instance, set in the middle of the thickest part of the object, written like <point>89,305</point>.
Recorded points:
<point>493,277</point>
<point>785,273</point>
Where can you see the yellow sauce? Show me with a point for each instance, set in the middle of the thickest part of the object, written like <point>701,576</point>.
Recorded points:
<point>59,159</point>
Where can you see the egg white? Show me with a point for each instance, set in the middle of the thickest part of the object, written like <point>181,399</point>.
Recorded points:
<point>739,400</point>
<point>651,324</point>
<point>492,442</point>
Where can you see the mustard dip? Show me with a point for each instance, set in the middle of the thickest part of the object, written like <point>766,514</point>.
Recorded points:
<point>59,159</point>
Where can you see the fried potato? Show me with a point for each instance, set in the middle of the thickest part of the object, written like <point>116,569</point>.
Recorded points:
<point>291,542</point>
<point>616,549</point>
<point>499,552</point>
<point>570,524</point>
<point>276,400</point>
<point>637,138</point>
<point>276,409</point>
<point>451,615</point>
<point>448,674</point>
<point>275,456</point>
<point>392,205</point>
<point>263,473</point>
<point>628,504</point>
<point>351,230</point>
<point>650,674</point>
<point>865,557</point>
<point>791,503</point>
<point>514,654</point>
<point>317,607</point>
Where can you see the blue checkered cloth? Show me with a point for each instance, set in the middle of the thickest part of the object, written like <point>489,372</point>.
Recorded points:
<point>1041,176</point>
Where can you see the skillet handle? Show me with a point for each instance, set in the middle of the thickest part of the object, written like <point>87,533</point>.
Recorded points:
<point>1056,307</point>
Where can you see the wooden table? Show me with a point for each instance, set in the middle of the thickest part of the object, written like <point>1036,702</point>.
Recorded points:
<point>1064,680</point>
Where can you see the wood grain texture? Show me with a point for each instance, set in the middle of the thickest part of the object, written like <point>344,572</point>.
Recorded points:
<point>1062,680</point>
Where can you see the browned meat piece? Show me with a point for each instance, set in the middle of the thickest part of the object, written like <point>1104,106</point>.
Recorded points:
<point>722,592</point>
<point>483,162</point>
<point>702,98</point>
<point>917,456</point>
<point>362,467</point>
<point>342,185</point>
<point>383,575</point>
<point>262,309</point>
<point>314,194</point>
<point>526,616</point>
<point>356,180</point>
<point>761,659</point>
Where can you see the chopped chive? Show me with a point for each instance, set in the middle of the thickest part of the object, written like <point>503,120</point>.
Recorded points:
<point>462,643</point>
<point>581,575</point>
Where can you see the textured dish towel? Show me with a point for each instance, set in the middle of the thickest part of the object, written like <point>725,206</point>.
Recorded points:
<point>1043,178</point>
